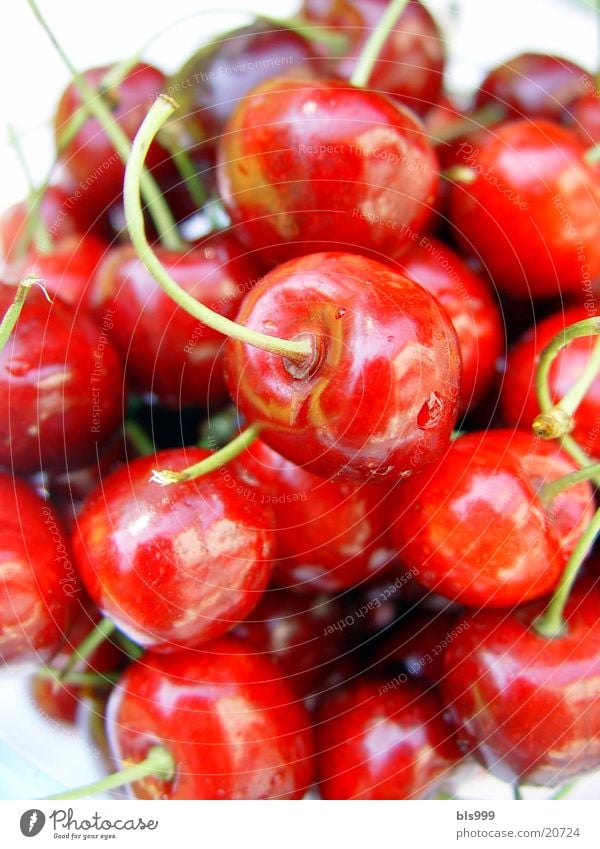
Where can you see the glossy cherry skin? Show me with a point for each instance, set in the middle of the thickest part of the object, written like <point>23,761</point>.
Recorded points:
<point>530,215</point>
<point>309,165</point>
<point>417,645</point>
<point>38,583</point>
<point>173,567</point>
<point>380,399</point>
<point>234,727</point>
<point>475,529</point>
<point>528,706</point>
<point>582,115</point>
<point>518,398</point>
<point>473,310</point>
<point>331,535</point>
<point>411,63</point>
<point>381,739</point>
<point>534,85</point>
<point>217,77</point>
<point>168,353</point>
<point>90,157</point>
<point>61,387</point>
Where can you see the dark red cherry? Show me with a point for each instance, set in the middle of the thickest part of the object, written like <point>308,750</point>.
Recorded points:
<point>416,644</point>
<point>173,567</point>
<point>233,726</point>
<point>380,739</point>
<point>168,353</point>
<point>472,308</point>
<point>530,213</point>
<point>411,63</point>
<point>582,115</point>
<point>90,157</point>
<point>475,530</point>
<point>534,85</point>
<point>38,582</point>
<point>518,399</point>
<point>379,399</point>
<point>528,706</point>
<point>61,387</point>
<point>310,165</point>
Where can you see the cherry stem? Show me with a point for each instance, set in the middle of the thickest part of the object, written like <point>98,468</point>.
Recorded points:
<point>159,762</point>
<point>80,679</point>
<point>478,120</point>
<point>162,108</point>
<point>11,316</point>
<point>459,174</point>
<point>322,34</point>
<point>35,227</point>
<point>93,100</point>
<point>165,477</point>
<point>565,791</point>
<point>101,631</point>
<point>551,623</point>
<point>139,439</point>
<point>372,49</point>
<point>549,491</point>
<point>169,138</point>
<point>129,647</point>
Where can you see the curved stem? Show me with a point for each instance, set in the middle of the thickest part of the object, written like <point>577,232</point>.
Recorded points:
<point>34,227</point>
<point>477,120</point>
<point>551,622</point>
<point>129,647</point>
<point>162,108</point>
<point>159,762</point>
<point>103,629</point>
<point>375,42</point>
<point>169,139</point>
<point>549,491</point>
<point>12,314</point>
<point>220,458</point>
<point>321,34</point>
<point>160,212</point>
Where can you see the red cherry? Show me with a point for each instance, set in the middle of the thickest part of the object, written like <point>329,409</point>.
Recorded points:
<point>173,567</point>
<point>90,157</point>
<point>417,645</point>
<point>38,584</point>
<point>411,63</point>
<point>518,399</point>
<point>308,165</point>
<point>528,706</point>
<point>474,528</point>
<point>61,386</point>
<point>582,115</point>
<point>534,85</point>
<point>380,398</point>
<point>467,299</point>
<point>232,724</point>
<point>381,739</point>
<point>531,212</point>
<point>168,354</point>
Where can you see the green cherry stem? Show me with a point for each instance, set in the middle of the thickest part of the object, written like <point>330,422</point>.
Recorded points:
<point>321,34</point>
<point>162,108</point>
<point>129,647</point>
<point>459,174</point>
<point>219,458</point>
<point>160,212</point>
<point>169,138</point>
<point>375,42</point>
<point>80,679</point>
<point>139,439</point>
<point>478,120</point>
<point>549,491</point>
<point>101,631</point>
<point>35,228</point>
<point>159,762</point>
<point>11,316</point>
<point>551,623</point>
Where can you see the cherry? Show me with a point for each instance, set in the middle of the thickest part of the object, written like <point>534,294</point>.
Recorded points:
<point>61,385</point>
<point>417,644</point>
<point>231,723</point>
<point>379,397</point>
<point>530,210</point>
<point>528,706</point>
<point>173,567</point>
<point>467,299</point>
<point>305,165</point>
<point>518,399</point>
<point>38,584</point>
<point>582,115</point>
<point>475,529</point>
<point>534,85</point>
<point>411,63</point>
<point>379,739</point>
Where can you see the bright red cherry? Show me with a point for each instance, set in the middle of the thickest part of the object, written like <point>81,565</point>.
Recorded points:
<point>475,530</point>
<point>528,706</point>
<point>530,213</point>
<point>168,354</point>
<point>518,399</point>
<point>582,115</point>
<point>472,308</point>
<point>233,726</point>
<point>310,165</point>
<point>173,567</point>
<point>411,63</point>
<point>379,398</point>
<point>61,387</point>
<point>534,85</point>
<point>379,739</point>
<point>417,645</point>
<point>38,582</point>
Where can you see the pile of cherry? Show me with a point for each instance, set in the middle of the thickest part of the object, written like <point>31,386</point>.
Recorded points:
<point>274,509</point>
